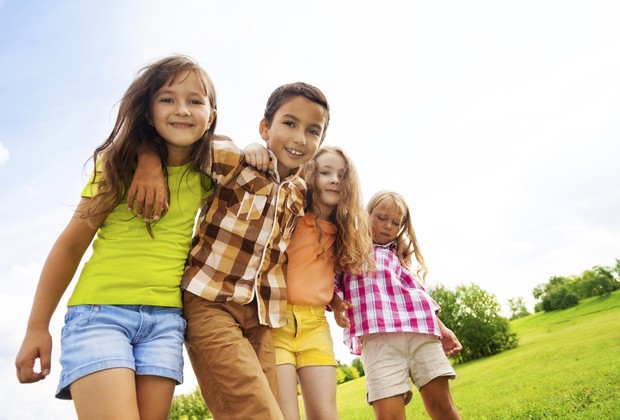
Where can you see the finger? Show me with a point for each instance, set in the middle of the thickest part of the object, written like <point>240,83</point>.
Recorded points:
<point>158,205</point>
<point>148,206</point>
<point>140,202</point>
<point>131,196</point>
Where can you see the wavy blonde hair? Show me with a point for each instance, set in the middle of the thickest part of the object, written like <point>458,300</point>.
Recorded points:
<point>353,246</point>
<point>406,241</point>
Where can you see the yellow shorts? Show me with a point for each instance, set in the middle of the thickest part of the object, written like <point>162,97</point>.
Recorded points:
<point>305,340</point>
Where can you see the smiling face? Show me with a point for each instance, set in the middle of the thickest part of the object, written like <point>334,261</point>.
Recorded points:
<point>385,222</point>
<point>330,169</point>
<point>295,133</point>
<point>180,112</point>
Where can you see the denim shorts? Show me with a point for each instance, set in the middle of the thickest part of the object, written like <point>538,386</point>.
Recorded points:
<point>146,339</point>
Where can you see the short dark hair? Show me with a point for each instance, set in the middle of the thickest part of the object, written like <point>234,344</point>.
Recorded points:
<point>284,93</point>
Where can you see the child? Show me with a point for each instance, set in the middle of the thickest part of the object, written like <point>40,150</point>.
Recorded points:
<point>122,343</point>
<point>234,281</point>
<point>393,322</point>
<point>326,239</point>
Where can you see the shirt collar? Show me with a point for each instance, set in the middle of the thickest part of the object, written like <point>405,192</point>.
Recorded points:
<point>275,172</point>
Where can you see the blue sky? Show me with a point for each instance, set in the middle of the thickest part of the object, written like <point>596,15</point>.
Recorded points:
<point>497,120</point>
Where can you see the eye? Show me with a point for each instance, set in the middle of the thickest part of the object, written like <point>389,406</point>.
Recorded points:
<point>289,123</point>
<point>166,100</point>
<point>315,132</point>
<point>196,102</point>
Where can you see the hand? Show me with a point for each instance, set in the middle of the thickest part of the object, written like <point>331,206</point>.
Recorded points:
<point>257,155</point>
<point>36,345</point>
<point>340,308</point>
<point>451,345</point>
<point>148,187</point>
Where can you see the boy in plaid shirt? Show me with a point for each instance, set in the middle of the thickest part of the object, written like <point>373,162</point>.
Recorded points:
<point>235,290</point>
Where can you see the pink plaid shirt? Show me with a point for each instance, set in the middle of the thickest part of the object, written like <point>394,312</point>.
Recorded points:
<point>389,300</point>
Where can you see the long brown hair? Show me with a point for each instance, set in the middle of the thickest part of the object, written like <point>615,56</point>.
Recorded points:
<point>118,153</point>
<point>406,241</point>
<point>353,245</point>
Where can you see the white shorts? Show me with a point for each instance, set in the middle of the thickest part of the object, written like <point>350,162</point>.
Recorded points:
<point>390,359</point>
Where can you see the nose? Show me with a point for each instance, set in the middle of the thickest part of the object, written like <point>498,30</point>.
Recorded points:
<point>182,109</point>
<point>334,179</point>
<point>300,138</point>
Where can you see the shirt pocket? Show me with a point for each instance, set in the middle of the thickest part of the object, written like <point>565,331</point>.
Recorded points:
<point>250,196</point>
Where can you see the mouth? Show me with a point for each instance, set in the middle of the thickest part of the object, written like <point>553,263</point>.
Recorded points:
<point>294,152</point>
<point>333,191</point>
<point>181,125</point>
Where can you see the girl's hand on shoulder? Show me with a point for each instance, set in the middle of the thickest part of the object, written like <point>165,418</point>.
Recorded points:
<point>257,155</point>
<point>148,190</point>
<point>36,345</point>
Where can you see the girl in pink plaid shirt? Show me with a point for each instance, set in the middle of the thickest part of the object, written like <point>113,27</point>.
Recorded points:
<point>390,319</point>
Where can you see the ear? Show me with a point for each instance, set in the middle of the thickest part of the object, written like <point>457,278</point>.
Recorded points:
<point>263,129</point>
<point>211,118</point>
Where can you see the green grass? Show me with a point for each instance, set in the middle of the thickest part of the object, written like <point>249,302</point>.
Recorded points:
<point>567,366</point>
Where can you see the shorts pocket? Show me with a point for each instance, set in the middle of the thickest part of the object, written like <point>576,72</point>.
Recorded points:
<point>77,317</point>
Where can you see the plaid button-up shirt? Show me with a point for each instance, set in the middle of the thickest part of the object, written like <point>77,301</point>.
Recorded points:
<point>238,251</point>
<point>389,300</point>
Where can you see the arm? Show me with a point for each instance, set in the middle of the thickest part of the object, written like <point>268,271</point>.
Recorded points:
<point>59,269</point>
<point>148,186</point>
<point>258,156</point>
<point>340,307</point>
<point>451,345</point>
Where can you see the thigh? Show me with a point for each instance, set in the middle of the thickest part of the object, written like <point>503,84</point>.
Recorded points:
<point>154,395</point>
<point>110,391</point>
<point>392,408</point>
<point>227,367</point>
<point>287,391</point>
<point>318,388</point>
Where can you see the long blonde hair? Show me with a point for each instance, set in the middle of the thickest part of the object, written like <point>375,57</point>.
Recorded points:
<point>406,241</point>
<point>353,246</point>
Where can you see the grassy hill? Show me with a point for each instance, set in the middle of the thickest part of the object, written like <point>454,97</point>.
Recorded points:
<point>567,366</point>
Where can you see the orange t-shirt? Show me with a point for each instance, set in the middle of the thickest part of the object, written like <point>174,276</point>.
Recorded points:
<point>310,279</point>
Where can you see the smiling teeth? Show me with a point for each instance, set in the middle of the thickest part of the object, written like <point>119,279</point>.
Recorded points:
<point>295,152</point>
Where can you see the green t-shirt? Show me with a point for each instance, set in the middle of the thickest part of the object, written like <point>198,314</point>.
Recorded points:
<point>128,266</point>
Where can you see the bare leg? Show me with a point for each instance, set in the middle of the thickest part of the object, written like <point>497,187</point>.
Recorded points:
<point>318,387</point>
<point>287,391</point>
<point>391,408</point>
<point>154,396</point>
<point>107,394</point>
<point>438,399</point>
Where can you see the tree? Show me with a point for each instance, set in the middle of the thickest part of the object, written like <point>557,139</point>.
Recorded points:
<point>474,316</point>
<point>357,364</point>
<point>517,308</point>
<point>346,373</point>
<point>559,297</point>
<point>189,407</point>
